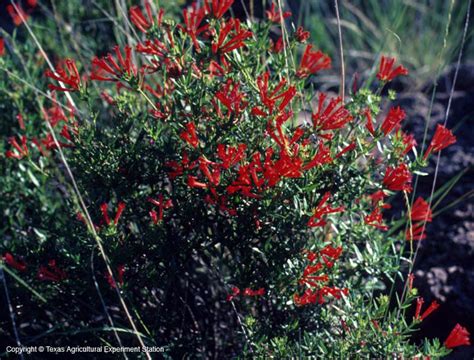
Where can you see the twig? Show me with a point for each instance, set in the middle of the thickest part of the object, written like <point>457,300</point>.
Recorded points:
<point>341,51</point>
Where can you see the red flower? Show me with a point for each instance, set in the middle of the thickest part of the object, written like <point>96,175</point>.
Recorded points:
<point>217,7</point>
<point>419,303</point>
<point>301,35</point>
<point>107,69</point>
<point>416,232</point>
<point>21,123</point>
<point>269,98</point>
<point>194,183</point>
<point>348,148</point>
<point>235,292</point>
<point>247,292</point>
<point>398,179</point>
<point>421,211</point>
<point>250,292</point>
<point>230,155</point>
<point>318,295</point>
<point>162,205</point>
<point>189,135</point>
<point>192,19</point>
<point>278,46</point>
<point>333,116</point>
<point>22,150</point>
<point>408,141</point>
<point>118,214</point>
<point>377,199</point>
<point>140,21</point>
<point>321,210</point>
<point>370,122</point>
<point>322,157</point>
<point>2,46</point>
<point>230,96</point>
<point>312,62</point>
<point>375,219</point>
<point>119,277</point>
<point>386,71</point>
<point>274,15</point>
<point>68,76</point>
<point>237,37</point>
<point>393,119</point>
<point>459,336</point>
<point>155,47</point>
<point>442,138</point>
<point>51,272</point>
<point>212,175</point>
<point>19,265</point>
<point>18,15</point>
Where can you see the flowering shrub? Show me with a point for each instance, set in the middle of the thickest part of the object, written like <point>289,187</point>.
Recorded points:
<point>225,203</point>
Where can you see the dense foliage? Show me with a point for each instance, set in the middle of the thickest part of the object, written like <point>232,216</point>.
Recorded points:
<point>209,199</point>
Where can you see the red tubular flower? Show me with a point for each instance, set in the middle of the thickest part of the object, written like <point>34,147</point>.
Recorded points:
<point>386,71</point>
<point>278,46</point>
<point>318,295</point>
<point>237,36</point>
<point>192,19</point>
<point>18,16</point>
<point>140,21</point>
<point>19,265</point>
<point>2,46</point>
<point>416,232</point>
<point>348,148</point>
<point>333,116</point>
<point>250,292</point>
<point>442,138</point>
<point>270,98</point>
<point>301,35</point>
<point>377,199</point>
<point>419,303</point>
<point>398,179</point>
<point>408,141</point>
<point>119,277</point>
<point>217,7</point>
<point>421,211</point>
<point>155,47</point>
<point>230,155</point>
<point>51,272</point>
<point>194,183</point>
<point>274,14</point>
<point>68,76</point>
<point>162,205</point>
<point>321,210</point>
<point>118,214</point>
<point>370,122</point>
<point>21,123</point>
<point>312,62</point>
<point>22,151</point>
<point>393,119</point>
<point>410,279</point>
<point>189,135</point>
<point>120,209</point>
<point>459,336</point>
<point>107,69</point>
<point>230,96</point>
<point>235,292</point>
<point>213,176</point>
<point>322,157</point>
<point>375,219</point>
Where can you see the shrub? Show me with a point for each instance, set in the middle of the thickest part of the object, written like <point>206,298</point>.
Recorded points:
<point>222,202</point>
